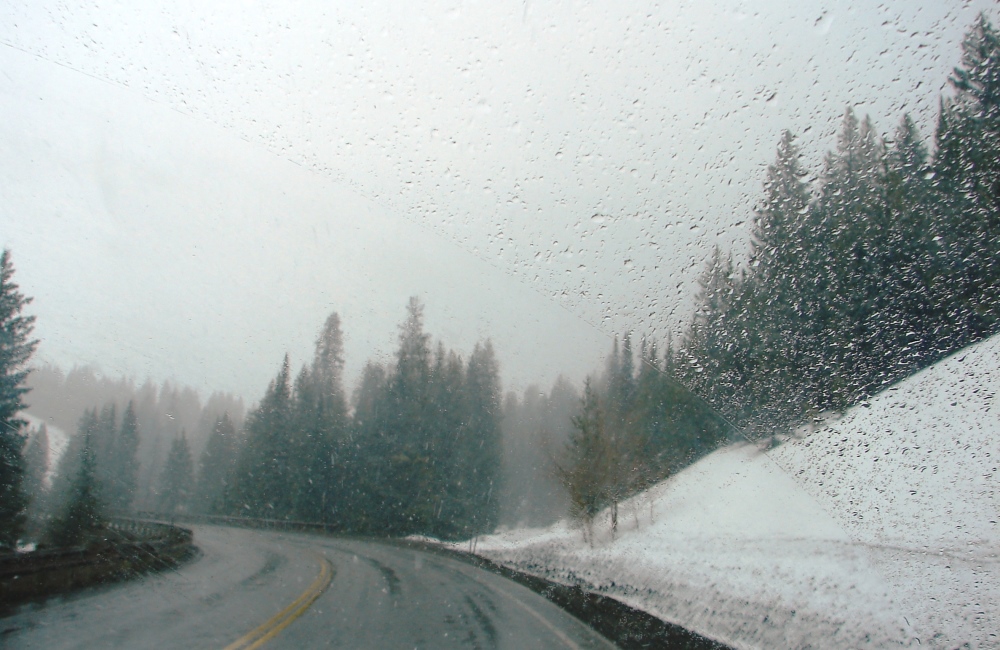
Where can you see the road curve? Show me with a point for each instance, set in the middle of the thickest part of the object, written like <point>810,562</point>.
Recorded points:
<point>251,589</point>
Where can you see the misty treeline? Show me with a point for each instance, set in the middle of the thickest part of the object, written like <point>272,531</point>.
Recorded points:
<point>419,452</point>
<point>634,426</point>
<point>535,426</point>
<point>121,454</point>
<point>888,262</point>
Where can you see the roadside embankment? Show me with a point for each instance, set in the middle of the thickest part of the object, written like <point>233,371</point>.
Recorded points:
<point>129,548</point>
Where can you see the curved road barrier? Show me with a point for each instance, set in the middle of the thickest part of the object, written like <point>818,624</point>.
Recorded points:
<point>129,548</point>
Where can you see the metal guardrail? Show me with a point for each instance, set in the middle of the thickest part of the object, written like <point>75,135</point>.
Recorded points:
<point>244,522</point>
<point>128,548</point>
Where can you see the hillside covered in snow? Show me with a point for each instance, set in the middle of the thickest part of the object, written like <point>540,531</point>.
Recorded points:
<point>878,529</point>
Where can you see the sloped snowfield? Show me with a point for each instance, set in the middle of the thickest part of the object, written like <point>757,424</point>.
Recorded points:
<point>877,530</point>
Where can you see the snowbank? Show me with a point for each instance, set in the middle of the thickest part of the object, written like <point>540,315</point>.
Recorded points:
<point>879,529</point>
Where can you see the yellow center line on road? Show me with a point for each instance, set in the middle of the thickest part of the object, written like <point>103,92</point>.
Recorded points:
<point>270,628</point>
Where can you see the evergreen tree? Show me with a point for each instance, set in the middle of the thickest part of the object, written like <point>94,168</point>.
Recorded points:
<point>368,394</point>
<point>36,459</point>
<point>915,268</point>
<point>407,485</point>
<point>263,477</point>
<point>216,466</point>
<point>177,479</point>
<point>967,179</point>
<point>622,434</point>
<point>361,456</point>
<point>453,461</point>
<point>320,423</point>
<point>328,362</point>
<point>69,462</point>
<point>977,88</point>
<point>16,347</point>
<point>646,420</point>
<point>479,455</point>
<point>853,227</point>
<point>303,443</point>
<point>535,428</point>
<point>710,360</point>
<point>895,263</point>
<point>124,461</point>
<point>772,345</point>
<point>583,470</point>
<point>423,452</point>
<point>83,515</point>
<point>620,380</point>
<point>104,441</point>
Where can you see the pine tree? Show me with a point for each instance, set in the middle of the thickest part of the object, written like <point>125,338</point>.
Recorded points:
<point>177,479</point>
<point>69,462</point>
<point>367,395</point>
<point>710,358</point>
<point>83,514</point>
<point>407,486</point>
<point>328,362</point>
<point>967,180</point>
<point>361,456</point>
<point>914,265</point>
<point>16,347</point>
<point>124,461</point>
<point>303,444</point>
<point>647,421</point>
<point>452,457</point>
<point>216,466</point>
<point>261,483</point>
<point>320,423</point>
<point>36,459</point>
<point>770,309</point>
<point>619,419</point>
<point>977,87</point>
<point>104,441</point>
<point>844,235</point>
<point>583,470</point>
<point>479,458</point>
<point>620,380</point>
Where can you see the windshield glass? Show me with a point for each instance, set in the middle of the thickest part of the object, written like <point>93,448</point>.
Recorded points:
<point>691,305</point>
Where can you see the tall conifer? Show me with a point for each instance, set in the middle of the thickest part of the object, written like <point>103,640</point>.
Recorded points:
<point>177,479</point>
<point>16,347</point>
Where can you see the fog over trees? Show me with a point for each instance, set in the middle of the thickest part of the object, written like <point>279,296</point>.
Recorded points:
<point>420,453</point>
<point>887,263</point>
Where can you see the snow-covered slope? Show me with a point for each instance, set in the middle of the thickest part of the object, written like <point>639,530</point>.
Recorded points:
<point>879,529</point>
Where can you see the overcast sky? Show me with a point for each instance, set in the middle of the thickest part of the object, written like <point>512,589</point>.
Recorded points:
<point>188,191</point>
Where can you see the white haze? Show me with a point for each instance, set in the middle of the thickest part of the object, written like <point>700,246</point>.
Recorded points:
<point>189,190</point>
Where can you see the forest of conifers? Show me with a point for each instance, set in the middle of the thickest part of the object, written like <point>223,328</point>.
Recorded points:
<point>884,264</point>
<point>888,262</point>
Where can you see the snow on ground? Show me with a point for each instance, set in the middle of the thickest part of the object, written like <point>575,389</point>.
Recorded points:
<point>876,530</point>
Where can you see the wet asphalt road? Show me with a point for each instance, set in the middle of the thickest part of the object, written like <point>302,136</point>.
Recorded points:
<point>251,589</point>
